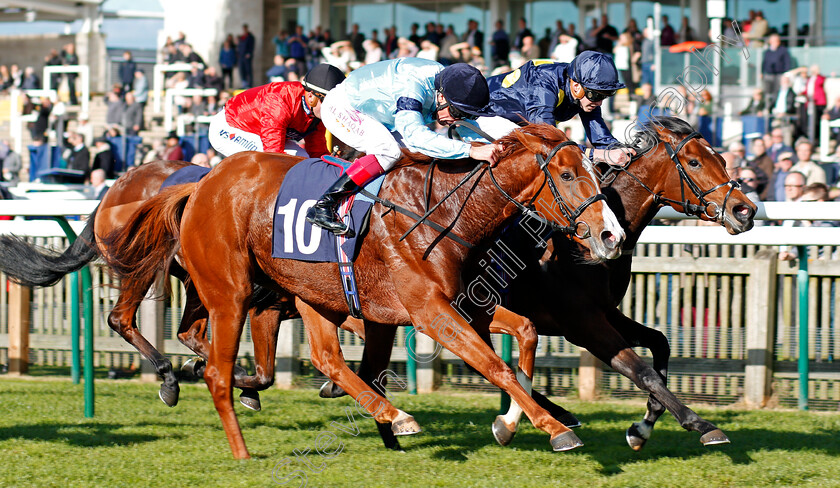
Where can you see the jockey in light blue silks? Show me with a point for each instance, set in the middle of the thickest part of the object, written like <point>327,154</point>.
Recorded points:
<point>549,92</point>
<point>398,98</point>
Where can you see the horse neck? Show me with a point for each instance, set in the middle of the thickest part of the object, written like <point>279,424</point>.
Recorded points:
<point>638,206</point>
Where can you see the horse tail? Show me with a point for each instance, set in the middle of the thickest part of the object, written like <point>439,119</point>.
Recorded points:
<point>149,240</point>
<point>32,265</point>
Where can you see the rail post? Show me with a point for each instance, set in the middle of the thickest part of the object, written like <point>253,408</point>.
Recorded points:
<point>761,328</point>
<point>802,286</point>
<point>19,301</point>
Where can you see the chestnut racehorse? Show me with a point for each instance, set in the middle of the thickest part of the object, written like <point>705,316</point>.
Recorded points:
<point>675,167</point>
<point>228,219</point>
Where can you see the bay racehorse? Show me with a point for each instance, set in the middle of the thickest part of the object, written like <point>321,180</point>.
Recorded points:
<point>564,297</point>
<point>228,218</point>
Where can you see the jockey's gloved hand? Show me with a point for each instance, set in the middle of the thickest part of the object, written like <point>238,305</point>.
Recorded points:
<point>619,157</point>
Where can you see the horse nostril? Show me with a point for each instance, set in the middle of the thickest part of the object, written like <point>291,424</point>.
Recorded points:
<point>609,239</point>
<point>742,212</point>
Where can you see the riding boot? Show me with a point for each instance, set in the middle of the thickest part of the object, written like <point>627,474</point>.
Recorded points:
<point>325,211</point>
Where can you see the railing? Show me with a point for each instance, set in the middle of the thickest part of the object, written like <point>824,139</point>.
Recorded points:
<point>84,73</point>
<point>725,303</point>
<point>169,104</point>
<point>159,82</point>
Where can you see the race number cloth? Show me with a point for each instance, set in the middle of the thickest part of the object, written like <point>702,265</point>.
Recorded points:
<point>294,237</point>
<point>187,174</point>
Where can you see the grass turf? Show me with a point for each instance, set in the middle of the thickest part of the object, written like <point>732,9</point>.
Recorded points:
<point>137,441</point>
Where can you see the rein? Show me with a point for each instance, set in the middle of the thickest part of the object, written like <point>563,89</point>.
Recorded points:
<point>685,180</point>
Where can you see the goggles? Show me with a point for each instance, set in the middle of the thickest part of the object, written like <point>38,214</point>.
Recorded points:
<point>598,95</point>
<point>454,111</point>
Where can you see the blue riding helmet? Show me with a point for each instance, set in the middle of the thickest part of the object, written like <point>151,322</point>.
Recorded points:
<point>464,88</point>
<point>596,71</point>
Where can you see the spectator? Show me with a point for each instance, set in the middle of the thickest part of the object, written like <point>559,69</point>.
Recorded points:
<point>245,54</point>
<point>473,36</point>
<point>97,183</point>
<point>499,45</point>
<point>278,70</point>
<point>17,76</point>
<point>132,118</point>
<point>607,35</point>
<point>140,88</point>
<point>104,158</point>
<point>647,98</point>
<point>227,59</point>
<point>758,30</point>
<point>812,171</point>
<point>816,93</point>
<point>356,38</point>
<point>778,146</point>
<point>566,49</point>
<point>733,165</point>
<point>667,37</point>
<point>558,31</point>
<point>431,34</point>
<point>635,34</point>
<point>176,82</point>
<point>570,31</point>
<point>428,50</point>
<point>749,182</point>
<point>297,50</point>
<point>53,59</point>
<point>373,51</point>
<point>172,151</point>
<point>784,105</point>
<point>590,40</point>
<point>5,78</point>
<point>340,54</point>
<point>707,106</point>
<point>775,64</point>
<point>623,55</point>
<point>524,32</point>
<point>126,71</point>
<point>201,159</point>
<point>116,108</point>
<point>30,79</point>
<point>756,106</point>
<point>281,43</point>
<point>763,164</point>
<point>782,169</point>
<point>38,131</point>
<point>407,49</point>
<point>78,155</point>
<point>213,157</point>
<point>739,151</point>
<point>686,32</point>
<point>447,42</point>
<point>85,128</point>
<point>794,188</point>
<point>196,76</point>
<point>833,114</point>
<point>190,56</point>
<point>414,36</point>
<point>182,39</point>
<point>647,57</point>
<point>10,163</point>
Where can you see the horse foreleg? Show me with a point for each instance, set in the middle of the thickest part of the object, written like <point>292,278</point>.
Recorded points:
<point>326,355</point>
<point>265,324</point>
<point>329,389</point>
<point>123,320</point>
<point>639,335</point>
<point>507,322</point>
<point>604,341</point>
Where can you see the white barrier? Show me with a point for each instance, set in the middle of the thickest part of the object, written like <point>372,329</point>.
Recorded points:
<point>43,208</point>
<point>169,103</point>
<point>777,211</point>
<point>84,82</point>
<point>158,80</point>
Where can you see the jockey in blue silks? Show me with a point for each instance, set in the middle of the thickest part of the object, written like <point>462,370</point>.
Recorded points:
<point>381,102</point>
<point>548,92</point>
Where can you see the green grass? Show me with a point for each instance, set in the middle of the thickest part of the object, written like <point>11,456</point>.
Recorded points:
<point>136,441</point>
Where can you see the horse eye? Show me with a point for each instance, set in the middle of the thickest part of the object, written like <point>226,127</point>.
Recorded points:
<point>566,176</point>
<point>694,163</point>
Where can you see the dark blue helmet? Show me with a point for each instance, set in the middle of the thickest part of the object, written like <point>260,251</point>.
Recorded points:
<point>596,71</point>
<point>464,87</point>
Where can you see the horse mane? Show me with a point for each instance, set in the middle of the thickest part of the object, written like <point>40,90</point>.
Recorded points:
<point>646,136</point>
<point>511,143</point>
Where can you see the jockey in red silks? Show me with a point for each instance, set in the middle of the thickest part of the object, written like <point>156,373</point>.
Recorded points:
<point>272,117</point>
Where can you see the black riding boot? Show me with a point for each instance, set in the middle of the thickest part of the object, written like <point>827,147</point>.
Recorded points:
<point>324,213</point>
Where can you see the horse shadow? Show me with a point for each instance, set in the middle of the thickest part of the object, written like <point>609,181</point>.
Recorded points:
<point>80,435</point>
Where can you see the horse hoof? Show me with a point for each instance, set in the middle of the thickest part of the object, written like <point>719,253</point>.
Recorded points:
<point>194,367</point>
<point>714,437</point>
<point>250,399</point>
<point>502,433</point>
<point>565,441</point>
<point>331,390</point>
<point>405,424</point>
<point>169,394</point>
<point>638,434</point>
<point>569,420</point>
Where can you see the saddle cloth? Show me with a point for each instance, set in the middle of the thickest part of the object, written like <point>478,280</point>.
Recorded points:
<point>187,174</point>
<point>293,236</point>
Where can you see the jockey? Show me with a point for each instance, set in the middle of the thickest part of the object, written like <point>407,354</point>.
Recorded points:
<point>548,92</point>
<point>383,101</point>
<point>271,117</point>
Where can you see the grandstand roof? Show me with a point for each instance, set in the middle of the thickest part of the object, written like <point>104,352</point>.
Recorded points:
<point>54,10</point>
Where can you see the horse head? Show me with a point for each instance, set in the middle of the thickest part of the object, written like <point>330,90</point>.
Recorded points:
<point>691,176</point>
<point>560,189</point>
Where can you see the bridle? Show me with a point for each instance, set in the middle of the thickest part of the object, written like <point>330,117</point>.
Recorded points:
<point>703,209</point>
<point>571,214</point>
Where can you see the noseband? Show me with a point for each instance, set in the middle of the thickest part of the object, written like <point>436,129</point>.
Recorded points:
<point>705,207</point>
<point>571,214</point>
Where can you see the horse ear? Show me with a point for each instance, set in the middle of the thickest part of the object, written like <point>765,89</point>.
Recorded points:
<point>531,142</point>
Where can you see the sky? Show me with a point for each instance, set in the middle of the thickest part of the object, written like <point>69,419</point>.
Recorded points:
<point>124,33</point>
